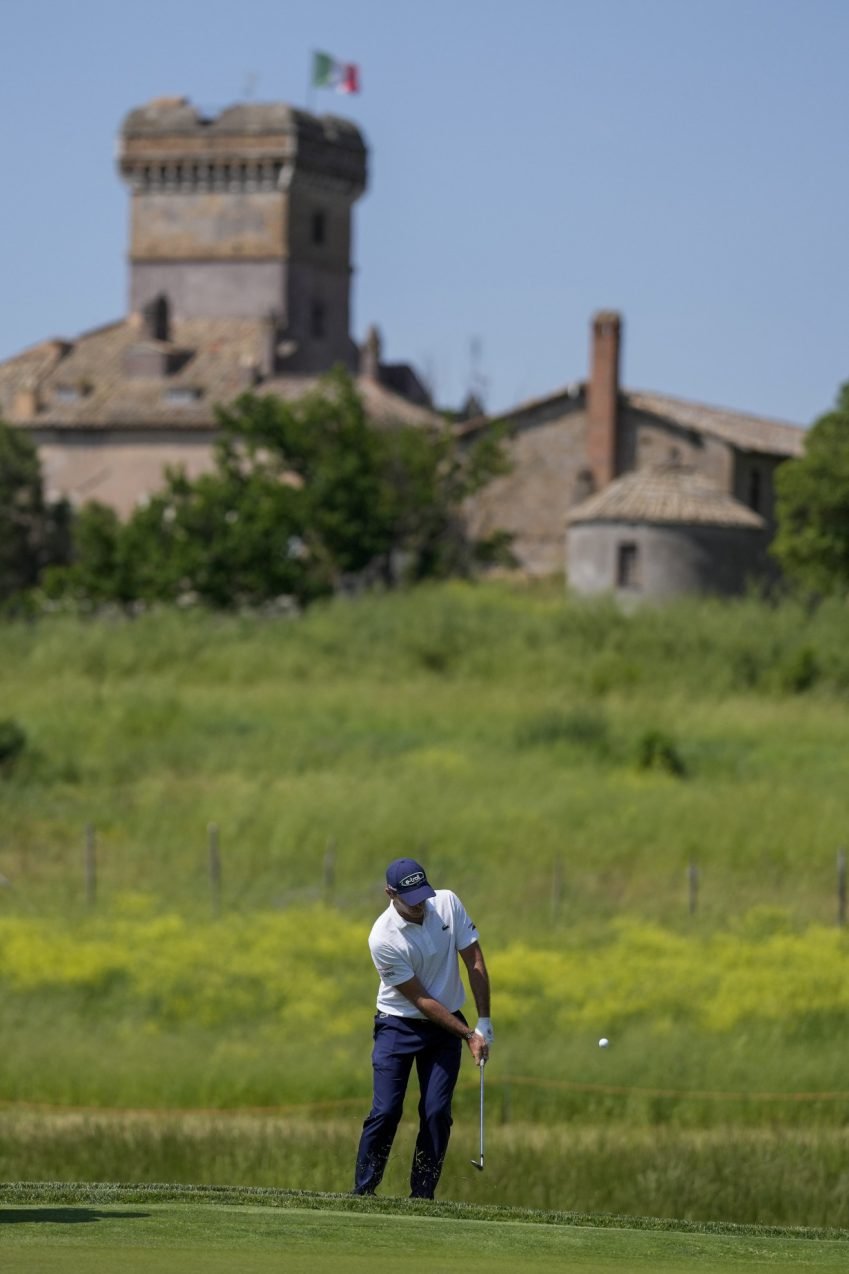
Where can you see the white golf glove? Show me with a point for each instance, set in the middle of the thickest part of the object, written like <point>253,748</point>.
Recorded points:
<point>484,1028</point>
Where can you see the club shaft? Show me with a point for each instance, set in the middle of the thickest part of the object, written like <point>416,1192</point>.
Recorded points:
<point>482,1068</point>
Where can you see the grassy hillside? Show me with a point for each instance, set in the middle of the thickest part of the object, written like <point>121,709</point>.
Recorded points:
<point>552,761</point>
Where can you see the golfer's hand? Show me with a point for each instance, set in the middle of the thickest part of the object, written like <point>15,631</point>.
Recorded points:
<point>484,1028</point>
<point>479,1049</point>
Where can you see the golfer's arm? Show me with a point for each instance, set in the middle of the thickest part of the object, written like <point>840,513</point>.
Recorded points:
<point>433,1010</point>
<point>478,977</point>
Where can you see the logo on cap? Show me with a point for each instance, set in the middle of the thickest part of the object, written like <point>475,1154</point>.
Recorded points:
<point>408,878</point>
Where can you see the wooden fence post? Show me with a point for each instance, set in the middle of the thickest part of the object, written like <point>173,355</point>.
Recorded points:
<point>329,877</point>
<point>841,887</point>
<point>214,869</point>
<point>693,888</point>
<point>556,888</point>
<point>90,865</point>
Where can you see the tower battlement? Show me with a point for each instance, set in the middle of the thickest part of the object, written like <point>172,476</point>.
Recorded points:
<point>170,145</point>
<point>246,214</point>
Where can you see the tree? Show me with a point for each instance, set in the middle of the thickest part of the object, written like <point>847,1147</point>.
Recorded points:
<point>226,538</point>
<point>32,531</point>
<point>382,500</point>
<point>304,497</point>
<point>323,446</point>
<point>102,569</point>
<point>812,506</point>
<point>428,477</point>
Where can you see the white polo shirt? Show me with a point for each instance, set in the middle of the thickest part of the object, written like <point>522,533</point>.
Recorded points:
<point>402,950</point>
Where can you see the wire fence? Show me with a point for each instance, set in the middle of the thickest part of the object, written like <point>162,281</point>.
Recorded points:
<point>325,889</point>
<point>94,873</point>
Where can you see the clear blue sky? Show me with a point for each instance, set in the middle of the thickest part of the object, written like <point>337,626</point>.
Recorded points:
<point>684,161</point>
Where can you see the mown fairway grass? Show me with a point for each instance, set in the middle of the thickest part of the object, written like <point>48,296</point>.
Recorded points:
<point>95,1230</point>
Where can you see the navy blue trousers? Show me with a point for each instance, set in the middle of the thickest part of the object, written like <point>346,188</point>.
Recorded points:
<point>398,1042</point>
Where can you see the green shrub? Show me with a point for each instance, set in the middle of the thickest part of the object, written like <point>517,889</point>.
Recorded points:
<point>657,750</point>
<point>798,671</point>
<point>13,740</point>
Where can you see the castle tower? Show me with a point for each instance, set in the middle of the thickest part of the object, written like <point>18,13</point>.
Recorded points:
<point>246,215</point>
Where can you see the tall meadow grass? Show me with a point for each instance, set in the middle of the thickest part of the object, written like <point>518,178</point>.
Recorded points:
<point>275,1009</point>
<point>475,726</point>
<point>772,1176</point>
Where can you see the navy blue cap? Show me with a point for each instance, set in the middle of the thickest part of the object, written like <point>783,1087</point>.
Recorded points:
<point>408,878</point>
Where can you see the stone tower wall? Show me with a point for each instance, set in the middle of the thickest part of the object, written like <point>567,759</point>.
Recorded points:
<point>246,214</point>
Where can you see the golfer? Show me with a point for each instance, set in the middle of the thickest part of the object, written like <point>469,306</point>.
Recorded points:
<point>414,945</point>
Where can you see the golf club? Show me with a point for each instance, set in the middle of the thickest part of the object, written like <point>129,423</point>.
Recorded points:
<point>474,1162</point>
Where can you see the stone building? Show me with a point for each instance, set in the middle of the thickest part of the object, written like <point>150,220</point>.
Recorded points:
<point>239,279</point>
<point>240,271</point>
<point>572,444</point>
<point>664,530</point>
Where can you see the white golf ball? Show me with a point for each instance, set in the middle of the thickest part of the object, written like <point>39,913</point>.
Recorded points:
<point>603,1043</point>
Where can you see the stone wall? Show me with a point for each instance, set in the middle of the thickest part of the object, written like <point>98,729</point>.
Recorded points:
<point>549,476</point>
<point>195,289</point>
<point>208,225</point>
<point>533,499</point>
<point>118,467</point>
<point>754,483</point>
<point>662,560</point>
<point>645,440</point>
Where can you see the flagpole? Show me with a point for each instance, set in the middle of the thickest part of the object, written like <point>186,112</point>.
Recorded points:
<point>310,77</point>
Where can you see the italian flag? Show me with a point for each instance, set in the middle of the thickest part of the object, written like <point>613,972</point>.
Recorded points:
<point>328,73</point>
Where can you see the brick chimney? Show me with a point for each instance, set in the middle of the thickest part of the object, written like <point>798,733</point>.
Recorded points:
<point>603,397</point>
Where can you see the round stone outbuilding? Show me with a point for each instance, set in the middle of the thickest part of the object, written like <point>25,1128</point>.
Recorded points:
<point>663,531</point>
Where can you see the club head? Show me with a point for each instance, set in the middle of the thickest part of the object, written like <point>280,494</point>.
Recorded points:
<point>477,1165</point>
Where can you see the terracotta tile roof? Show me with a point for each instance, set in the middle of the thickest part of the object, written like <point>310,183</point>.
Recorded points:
<point>667,493</point>
<point>740,429</point>
<point>84,384</point>
<point>567,396</point>
<point>383,407</point>
<point>749,433</point>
